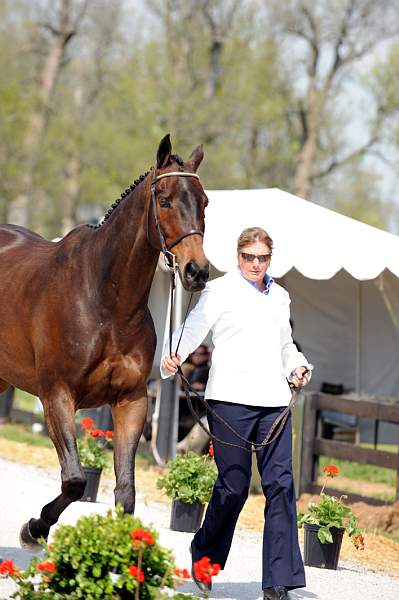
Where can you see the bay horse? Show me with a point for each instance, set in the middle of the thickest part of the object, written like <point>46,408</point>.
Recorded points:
<point>76,330</point>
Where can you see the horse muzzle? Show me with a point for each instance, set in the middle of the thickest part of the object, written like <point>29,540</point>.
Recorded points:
<point>195,277</point>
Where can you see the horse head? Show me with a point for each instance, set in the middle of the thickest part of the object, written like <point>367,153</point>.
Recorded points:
<point>175,222</point>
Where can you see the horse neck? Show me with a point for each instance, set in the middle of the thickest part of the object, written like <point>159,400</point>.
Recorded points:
<point>126,261</point>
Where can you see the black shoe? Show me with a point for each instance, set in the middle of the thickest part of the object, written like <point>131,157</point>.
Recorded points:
<point>204,587</point>
<point>277,592</point>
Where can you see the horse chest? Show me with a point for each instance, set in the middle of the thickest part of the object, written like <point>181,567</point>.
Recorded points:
<point>120,372</point>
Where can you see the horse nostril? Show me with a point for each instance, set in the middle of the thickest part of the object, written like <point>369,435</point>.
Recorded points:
<point>205,273</point>
<point>192,269</point>
<point>195,275</point>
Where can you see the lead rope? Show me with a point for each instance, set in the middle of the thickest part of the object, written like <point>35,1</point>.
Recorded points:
<point>276,427</point>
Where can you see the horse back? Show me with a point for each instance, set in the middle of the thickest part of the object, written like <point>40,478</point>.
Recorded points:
<point>54,324</point>
<point>32,270</point>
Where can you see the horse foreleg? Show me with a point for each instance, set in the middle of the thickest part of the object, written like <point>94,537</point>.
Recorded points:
<point>59,413</point>
<point>129,418</point>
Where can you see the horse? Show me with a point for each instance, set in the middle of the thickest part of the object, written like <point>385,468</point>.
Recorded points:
<point>76,330</point>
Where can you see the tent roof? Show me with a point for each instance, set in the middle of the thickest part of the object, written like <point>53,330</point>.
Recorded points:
<point>317,241</point>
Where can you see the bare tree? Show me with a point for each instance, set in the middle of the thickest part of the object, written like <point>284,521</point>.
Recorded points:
<point>61,29</point>
<point>195,34</point>
<point>86,82</point>
<point>219,19</point>
<point>335,35</point>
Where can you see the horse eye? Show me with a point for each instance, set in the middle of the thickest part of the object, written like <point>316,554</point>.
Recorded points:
<point>164,202</point>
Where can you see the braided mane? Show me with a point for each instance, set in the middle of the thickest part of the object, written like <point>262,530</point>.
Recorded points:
<point>129,190</point>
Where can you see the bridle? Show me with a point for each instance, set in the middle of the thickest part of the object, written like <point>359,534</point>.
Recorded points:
<point>170,258</point>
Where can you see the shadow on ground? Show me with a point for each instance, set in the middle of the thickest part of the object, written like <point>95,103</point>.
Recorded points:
<point>244,591</point>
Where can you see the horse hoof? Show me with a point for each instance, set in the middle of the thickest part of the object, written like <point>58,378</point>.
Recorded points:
<point>27,541</point>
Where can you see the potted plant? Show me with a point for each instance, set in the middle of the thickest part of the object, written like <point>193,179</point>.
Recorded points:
<point>189,482</point>
<point>102,557</point>
<point>324,523</point>
<point>92,452</point>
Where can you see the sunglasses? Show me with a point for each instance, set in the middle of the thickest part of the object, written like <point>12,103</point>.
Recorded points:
<point>262,258</point>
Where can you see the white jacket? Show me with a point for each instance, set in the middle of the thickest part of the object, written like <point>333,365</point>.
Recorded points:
<point>253,349</point>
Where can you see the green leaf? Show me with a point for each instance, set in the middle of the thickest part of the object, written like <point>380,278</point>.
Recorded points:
<point>324,535</point>
<point>190,478</point>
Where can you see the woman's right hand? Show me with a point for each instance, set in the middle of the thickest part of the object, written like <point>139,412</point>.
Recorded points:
<point>170,362</point>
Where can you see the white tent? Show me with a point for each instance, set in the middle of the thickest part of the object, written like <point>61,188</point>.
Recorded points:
<point>342,276</point>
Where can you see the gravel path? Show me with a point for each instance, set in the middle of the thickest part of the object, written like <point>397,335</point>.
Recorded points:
<point>25,489</point>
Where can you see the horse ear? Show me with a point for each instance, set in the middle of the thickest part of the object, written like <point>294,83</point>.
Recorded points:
<point>164,152</point>
<point>196,157</point>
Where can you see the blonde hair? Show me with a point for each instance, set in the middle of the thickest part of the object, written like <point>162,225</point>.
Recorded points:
<point>253,234</point>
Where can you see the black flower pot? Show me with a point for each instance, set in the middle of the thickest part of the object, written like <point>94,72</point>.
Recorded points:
<point>186,517</point>
<point>93,475</point>
<point>324,556</point>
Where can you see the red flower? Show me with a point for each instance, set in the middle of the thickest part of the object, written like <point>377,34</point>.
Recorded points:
<point>204,570</point>
<point>137,573</point>
<point>211,451</point>
<point>97,433</point>
<point>87,424</point>
<point>358,542</point>
<point>7,567</point>
<point>109,434</point>
<point>140,535</point>
<point>183,573</point>
<point>47,566</point>
<point>331,470</point>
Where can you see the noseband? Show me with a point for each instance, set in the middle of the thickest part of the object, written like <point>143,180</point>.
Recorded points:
<point>170,258</point>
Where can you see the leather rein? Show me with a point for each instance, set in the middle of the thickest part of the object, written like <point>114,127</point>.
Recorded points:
<point>170,261</point>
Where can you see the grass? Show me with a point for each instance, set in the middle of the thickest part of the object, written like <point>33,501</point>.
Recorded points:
<point>393,448</point>
<point>22,433</point>
<point>350,470</point>
<point>394,537</point>
<point>24,401</point>
<point>361,472</point>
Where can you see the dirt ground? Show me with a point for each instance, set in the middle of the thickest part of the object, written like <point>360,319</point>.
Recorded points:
<point>380,523</point>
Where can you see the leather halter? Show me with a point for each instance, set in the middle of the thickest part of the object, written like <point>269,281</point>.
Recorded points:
<point>170,258</point>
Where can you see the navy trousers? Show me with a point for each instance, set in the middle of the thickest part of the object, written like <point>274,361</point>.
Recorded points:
<point>282,561</point>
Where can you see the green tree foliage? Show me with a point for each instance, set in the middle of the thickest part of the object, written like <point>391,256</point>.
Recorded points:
<point>357,196</point>
<point>329,40</point>
<point>229,74</point>
<point>17,94</point>
<point>383,82</point>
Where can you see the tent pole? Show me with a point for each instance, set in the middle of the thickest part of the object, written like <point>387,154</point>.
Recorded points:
<point>358,382</point>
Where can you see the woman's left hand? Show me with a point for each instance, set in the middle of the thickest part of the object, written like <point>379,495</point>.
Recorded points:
<point>301,377</point>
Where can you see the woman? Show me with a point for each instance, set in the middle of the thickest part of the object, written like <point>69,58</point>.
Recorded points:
<point>254,355</point>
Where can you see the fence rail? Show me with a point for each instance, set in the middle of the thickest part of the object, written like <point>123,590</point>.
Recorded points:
<point>314,445</point>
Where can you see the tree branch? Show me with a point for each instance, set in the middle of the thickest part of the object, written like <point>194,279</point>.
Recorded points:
<point>335,163</point>
<point>341,40</point>
<point>312,39</point>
